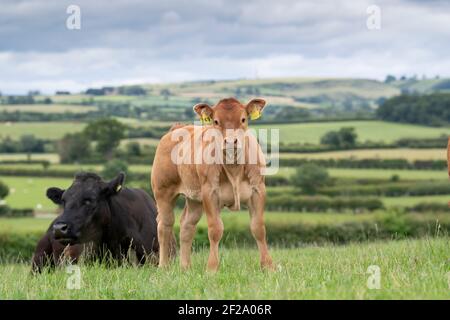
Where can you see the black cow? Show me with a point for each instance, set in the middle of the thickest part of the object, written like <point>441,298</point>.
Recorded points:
<point>110,217</point>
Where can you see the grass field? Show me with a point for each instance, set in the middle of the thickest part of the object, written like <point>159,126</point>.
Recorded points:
<point>51,157</point>
<point>29,192</point>
<point>377,131</point>
<point>411,269</point>
<point>285,171</point>
<point>20,225</point>
<point>68,167</point>
<point>386,174</point>
<point>381,174</point>
<point>47,108</point>
<point>401,153</point>
<point>413,200</point>
<point>289,133</point>
<point>142,141</point>
<point>44,130</point>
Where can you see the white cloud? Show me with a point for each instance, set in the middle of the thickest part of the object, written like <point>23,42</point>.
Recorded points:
<point>147,41</point>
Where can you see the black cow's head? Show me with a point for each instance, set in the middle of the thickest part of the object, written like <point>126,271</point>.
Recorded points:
<point>85,207</point>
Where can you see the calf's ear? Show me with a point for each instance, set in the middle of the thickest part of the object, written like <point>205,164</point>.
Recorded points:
<point>55,194</point>
<point>115,185</point>
<point>254,108</point>
<point>205,112</point>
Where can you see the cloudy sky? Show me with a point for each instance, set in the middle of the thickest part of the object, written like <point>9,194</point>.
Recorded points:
<point>136,41</point>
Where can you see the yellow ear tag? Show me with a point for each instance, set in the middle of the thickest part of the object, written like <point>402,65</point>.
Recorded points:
<point>118,188</point>
<point>255,114</point>
<point>205,119</point>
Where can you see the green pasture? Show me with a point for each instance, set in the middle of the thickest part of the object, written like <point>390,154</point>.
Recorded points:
<point>47,108</point>
<point>376,131</point>
<point>388,173</point>
<point>381,174</point>
<point>44,130</point>
<point>50,157</point>
<point>240,218</point>
<point>29,192</point>
<point>413,200</point>
<point>409,269</point>
<point>398,153</point>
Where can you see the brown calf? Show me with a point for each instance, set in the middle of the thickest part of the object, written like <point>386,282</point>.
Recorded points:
<point>210,185</point>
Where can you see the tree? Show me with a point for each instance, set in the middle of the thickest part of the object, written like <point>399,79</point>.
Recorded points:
<point>165,93</point>
<point>29,143</point>
<point>107,133</point>
<point>431,109</point>
<point>4,190</point>
<point>133,149</point>
<point>74,147</point>
<point>389,78</point>
<point>132,90</point>
<point>113,168</point>
<point>310,177</point>
<point>8,145</point>
<point>331,138</point>
<point>189,113</point>
<point>343,139</point>
<point>45,165</point>
<point>348,137</point>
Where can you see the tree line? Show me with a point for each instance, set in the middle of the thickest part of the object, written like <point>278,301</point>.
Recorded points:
<point>432,109</point>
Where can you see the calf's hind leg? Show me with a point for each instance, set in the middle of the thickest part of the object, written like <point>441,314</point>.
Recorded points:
<point>191,215</point>
<point>165,202</point>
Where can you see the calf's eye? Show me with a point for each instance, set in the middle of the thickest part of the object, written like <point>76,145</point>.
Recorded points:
<point>243,120</point>
<point>216,122</point>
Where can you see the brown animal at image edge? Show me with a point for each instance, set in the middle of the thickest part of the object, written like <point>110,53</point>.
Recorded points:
<point>209,187</point>
<point>448,160</point>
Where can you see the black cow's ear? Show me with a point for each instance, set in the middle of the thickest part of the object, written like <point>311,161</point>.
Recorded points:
<point>55,194</point>
<point>115,185</point>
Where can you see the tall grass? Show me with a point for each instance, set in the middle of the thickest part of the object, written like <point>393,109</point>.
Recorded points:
<point>410,269</point>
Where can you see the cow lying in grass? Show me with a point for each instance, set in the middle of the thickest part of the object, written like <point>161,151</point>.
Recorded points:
<point>109,217</point>
<point>211,166</point>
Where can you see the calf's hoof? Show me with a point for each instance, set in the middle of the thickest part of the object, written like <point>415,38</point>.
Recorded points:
<point>268,265</point>
<point>212,268</point>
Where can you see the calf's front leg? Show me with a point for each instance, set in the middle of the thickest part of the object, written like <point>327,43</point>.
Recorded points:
<point>210,198</point>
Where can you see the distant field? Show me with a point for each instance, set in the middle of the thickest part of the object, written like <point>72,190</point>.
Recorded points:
<point>284,171</point>
<point>18,225</point>
<point>70,99</point>
<point>377,131</point>
<point>47,108</point>
<point>411,201</point>
<point>71,167</point>
<point>386,174</point>
<point>142,141</point>
<point>29,192</point>
<point>44,130</point>
<point>379,173</point>
<point>59,167</point>
<point>401,153</point>
<point>51,157</point>
<point>240,218</point>
<point>144,123</point>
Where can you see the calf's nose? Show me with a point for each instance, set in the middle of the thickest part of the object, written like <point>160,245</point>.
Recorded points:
<point>60,229</point>
<point>229,141</point>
